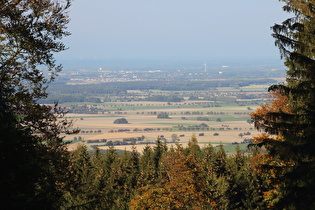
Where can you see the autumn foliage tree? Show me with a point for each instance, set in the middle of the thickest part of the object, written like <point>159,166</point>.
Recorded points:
<point>290,118</point>
<point>191,179</point>
<point>182,186</point>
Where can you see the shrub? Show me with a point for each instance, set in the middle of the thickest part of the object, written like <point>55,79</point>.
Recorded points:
<point>121,121</point>
<point>163,115</point>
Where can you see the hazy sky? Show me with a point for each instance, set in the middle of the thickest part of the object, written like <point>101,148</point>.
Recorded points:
<point>173,29</point>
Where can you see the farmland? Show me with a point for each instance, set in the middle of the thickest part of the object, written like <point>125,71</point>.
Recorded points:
<point>221,124</point>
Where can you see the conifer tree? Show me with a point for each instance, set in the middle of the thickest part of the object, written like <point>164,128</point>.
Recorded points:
<point>208,156</point>
<point>220,164</point>
<point>134,168</point>
<point>292,145</point>
<point>158,151</point>
<point>146,166</point>
<point>239,158</point>
<point>182,186</point>
<point>79,192</point>
<point>193,147</point>
<point>109,159</point>
<point>103,194</point>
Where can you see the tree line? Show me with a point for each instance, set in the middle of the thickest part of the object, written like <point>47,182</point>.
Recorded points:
<point>39,172</point>
<point>164,178</point>
<point>122,87</point>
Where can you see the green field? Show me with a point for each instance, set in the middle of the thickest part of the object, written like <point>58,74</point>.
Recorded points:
<point>226,118</point>
<point>101,126</point>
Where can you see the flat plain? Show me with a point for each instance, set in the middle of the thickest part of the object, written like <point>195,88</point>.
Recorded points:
<point>223,125</point>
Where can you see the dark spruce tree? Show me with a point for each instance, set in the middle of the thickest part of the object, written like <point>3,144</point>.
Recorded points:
<point>32,155</point>
<point>290,118</point>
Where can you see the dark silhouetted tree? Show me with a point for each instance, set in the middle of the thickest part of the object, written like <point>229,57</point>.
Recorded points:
<point>31,148</point>
<point>292,123</point>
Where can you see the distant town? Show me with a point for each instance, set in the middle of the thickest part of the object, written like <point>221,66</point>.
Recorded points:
<point>88,75</point>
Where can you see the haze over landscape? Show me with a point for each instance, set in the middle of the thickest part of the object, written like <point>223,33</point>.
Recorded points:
<point>168,41</point>
<point>171,33</point>
<point>160,104</point>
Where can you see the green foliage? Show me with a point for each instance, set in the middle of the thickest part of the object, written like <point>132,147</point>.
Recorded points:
<point>176,178</point>
<point>118,87</point>
<point>192,179</point>
<point>32,154</point>
<point>146,166</point>
<point>93,100</point>
<point>121,121</point>
<point>40,173</point>
<point>165,98</point>
<point>163,115</point>
<point>203,118</point>
<point>294,121</point>
<point>193,148</point>
<point>158,151</point>
<point>80,190</point>
<point>220,165</point>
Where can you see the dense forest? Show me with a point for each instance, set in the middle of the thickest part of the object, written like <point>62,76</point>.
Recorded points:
<point>63,93</point>
<point>117,87</point>
<point>165,178</point>
<point>39,172</point>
